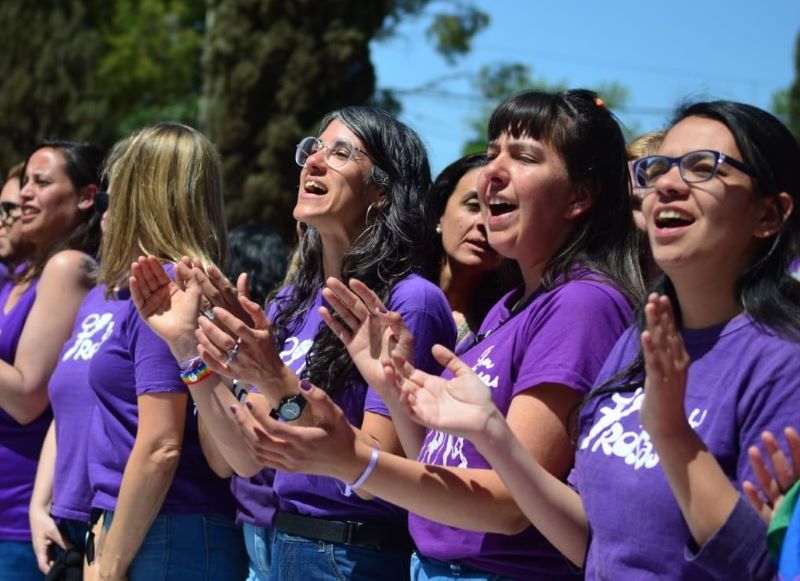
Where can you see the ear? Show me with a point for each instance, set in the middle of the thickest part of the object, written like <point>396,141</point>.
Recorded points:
<point>580,202</point>
<point>775,211</point>
<point>86,196</point>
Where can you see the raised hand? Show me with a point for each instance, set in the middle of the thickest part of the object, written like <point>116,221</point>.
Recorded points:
<point>462,405</point>
<point>371,334</point>
<point>168,307</point>
<point>252,357</point>
<point>666,365</point>
<point>218,291</point>
<point>773,483</point>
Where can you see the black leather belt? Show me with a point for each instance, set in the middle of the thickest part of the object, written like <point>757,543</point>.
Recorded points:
<point>375,535</point>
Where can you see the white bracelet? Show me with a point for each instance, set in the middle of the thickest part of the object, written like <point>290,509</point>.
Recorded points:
<point>373,461</point>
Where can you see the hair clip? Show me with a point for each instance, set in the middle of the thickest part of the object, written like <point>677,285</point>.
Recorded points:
<point>599,102</point>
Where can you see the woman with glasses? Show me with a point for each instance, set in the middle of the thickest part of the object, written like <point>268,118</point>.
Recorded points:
<point>56,217</point>
<point>364,196</point>
<point>555,200</point>
<point>662,452</point>
<point>13,248</point>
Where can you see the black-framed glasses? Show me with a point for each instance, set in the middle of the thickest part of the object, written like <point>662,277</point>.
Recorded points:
<point>100,203</point>
<point>10,212</point>
<point>337,152</point>
<point>695,166</point>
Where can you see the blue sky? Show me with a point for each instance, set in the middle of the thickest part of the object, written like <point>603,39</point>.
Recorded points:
<point>661,52</point>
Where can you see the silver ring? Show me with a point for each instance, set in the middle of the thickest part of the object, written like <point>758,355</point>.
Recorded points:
<point>209,313</point>
<point>232,353</point>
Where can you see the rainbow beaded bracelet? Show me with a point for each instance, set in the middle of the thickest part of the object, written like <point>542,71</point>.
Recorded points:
<point>196,374</point>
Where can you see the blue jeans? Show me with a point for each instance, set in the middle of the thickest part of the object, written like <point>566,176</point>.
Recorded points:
<point>188,547</point>
<point>258,541</point>
<point>17,562</point>
<point>428,569</point>
<point>300,559</point>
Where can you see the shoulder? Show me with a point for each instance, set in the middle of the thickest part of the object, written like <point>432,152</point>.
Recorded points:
<point>585,299</point>
<point>414,291</point>
<point>69,268</point>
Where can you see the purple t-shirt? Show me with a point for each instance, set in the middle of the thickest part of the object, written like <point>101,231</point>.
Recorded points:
<point>134,361</point>
<point>428,316</point>
<point>742,381</point>
<point>73,401</point>
<point>19,445</point>
<point>562,336</point>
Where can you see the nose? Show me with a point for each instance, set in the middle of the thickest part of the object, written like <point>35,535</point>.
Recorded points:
<point>494,175</point>
<point>316,160</point>
<point>670,183</point>
<point>26,192</point>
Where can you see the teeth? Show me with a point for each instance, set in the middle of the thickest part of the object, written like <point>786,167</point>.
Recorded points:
<point>672,215</point>
<point>28,211</point>
<point>312,185</point>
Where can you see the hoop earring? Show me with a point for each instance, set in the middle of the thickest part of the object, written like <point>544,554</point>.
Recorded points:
<point>369,209</point>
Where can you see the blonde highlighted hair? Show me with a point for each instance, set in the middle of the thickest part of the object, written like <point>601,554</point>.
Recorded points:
<point>165,199</point>
<point>644,145</point>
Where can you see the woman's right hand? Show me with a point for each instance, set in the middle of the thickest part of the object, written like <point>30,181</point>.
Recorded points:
<point>44,535</point>
<point>461,405</point>
<point>170,309</point>
<point>776,482</point>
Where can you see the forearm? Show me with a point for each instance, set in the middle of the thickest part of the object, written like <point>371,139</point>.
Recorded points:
<point>42,495</point>
<point>471,499</point>
<point>145,483</point>
<point>552,506</point>
<point>703,492</point>
<point>410,433</point>
<point>214,400</point>
<point>22,400</point>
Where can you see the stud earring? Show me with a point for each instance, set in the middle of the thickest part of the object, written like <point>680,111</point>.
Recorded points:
<point>438,228</point>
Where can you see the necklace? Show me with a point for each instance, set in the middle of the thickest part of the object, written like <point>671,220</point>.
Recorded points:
<point>518,307</point>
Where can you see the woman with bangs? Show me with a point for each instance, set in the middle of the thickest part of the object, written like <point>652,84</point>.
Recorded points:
<point>715,363</point>
<point>165,514</point>
<point>56,219</point>
<point>555,200</point>
<point>364,196</point>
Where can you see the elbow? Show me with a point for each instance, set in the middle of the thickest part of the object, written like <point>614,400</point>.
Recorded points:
<point>247,471</point>
<point>30,409</point>
<point>165,457</point>
<point>515,524</point>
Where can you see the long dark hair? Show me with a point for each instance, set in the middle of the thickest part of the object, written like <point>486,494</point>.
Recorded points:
<point>766,290</point>
<point>399,238</point>
<point>83,164</point>
<point>589,139</point>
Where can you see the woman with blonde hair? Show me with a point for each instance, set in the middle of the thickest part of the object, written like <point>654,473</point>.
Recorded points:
<point>165,514</point>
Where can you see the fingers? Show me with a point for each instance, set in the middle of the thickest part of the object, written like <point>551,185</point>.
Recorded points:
<point>346,304</point>
<point>260,320</point>
<point>793,440</point>
<point>768,485</point>
<point>448,359</point>
<point>369,298</point>
<point>242,285</point>
<point>751,494</point>
<point>222,284</point>
<point>338,328</point>
<point>783,473</point>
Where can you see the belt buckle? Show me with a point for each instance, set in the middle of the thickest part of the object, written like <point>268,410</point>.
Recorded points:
<point>351,530</point>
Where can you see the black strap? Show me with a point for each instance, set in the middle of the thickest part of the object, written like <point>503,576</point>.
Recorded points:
<point>383,536</point>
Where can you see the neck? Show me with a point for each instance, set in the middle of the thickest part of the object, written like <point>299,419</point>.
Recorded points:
<point>706,301</point>
<point>458,285</point>
<point>333,249</point>
<point>532,278</point>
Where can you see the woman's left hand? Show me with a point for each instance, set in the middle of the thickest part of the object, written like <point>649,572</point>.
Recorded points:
<point>327,447</point>
<point>666,365</point>
<point>252,357</point>
<point>218,290</point>
<point>776,482</point>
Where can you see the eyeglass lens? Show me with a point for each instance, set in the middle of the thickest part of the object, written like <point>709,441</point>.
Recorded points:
<point>9,210</point>
<point>696,166</point>
<point>338,152</point>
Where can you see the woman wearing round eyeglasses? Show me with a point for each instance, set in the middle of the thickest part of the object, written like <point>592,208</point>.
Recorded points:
<point>662,452</point>
<point>13,248</point>
<point>363,193</point>
<point>56,217</point>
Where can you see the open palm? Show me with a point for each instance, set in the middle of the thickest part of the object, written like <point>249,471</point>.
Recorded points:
<point>461,405</point>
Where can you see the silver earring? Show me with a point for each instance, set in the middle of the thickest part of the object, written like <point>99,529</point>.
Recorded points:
<point>438,228</point>
<point>369,209</point>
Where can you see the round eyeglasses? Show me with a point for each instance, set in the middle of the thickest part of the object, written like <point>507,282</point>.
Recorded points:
<point>695,166</point>
<point>10,212</point>
<point>337,152</point>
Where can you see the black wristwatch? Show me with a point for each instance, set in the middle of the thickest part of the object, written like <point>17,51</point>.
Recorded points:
<point>290,408</point>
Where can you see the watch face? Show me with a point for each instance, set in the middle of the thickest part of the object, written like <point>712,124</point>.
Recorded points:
<point>290,410</point>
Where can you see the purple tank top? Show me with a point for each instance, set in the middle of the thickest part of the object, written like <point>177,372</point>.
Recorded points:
<point>19,445</point>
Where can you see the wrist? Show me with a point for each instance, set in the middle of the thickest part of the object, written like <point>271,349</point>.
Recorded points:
<point>183,349</point>
<point>496,432</point>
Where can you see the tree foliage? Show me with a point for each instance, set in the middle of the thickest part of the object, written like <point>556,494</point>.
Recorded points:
<point>793,98</point>
<point>496,82</point>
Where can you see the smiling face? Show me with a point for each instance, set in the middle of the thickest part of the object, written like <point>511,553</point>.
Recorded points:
<point>463,232</point>
<point>712,226</point>
<point>51,206</point>
<point>10,229</point>
<point>335,201</point>
<point>529,204</point>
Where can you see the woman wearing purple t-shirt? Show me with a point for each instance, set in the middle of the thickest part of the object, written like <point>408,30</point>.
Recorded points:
<point>364,196</point>
<point>554,198</point>
<point>662,454</point>
<point>59,183</point>
<point>165,514</point>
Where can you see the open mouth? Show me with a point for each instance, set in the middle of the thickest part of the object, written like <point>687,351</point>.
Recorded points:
<point>672,219</point>
<point>314,187</point>
<point>499,207</point>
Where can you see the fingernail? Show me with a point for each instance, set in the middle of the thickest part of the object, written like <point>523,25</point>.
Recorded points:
<point>305,385</point>
<point>381,309</point>
<point>249,405</point>
<point>233,409</point>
